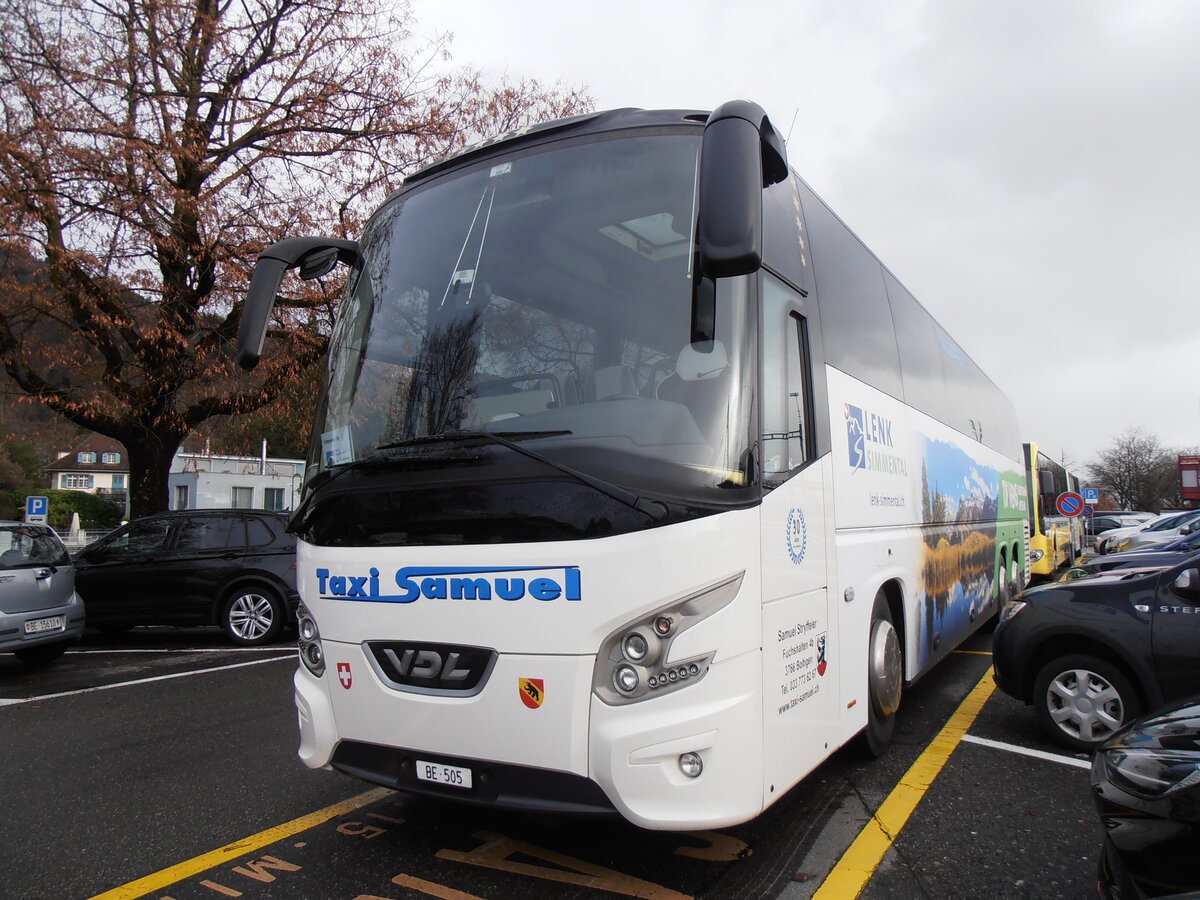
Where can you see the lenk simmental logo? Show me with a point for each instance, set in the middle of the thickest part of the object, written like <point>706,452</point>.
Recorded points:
<point>872,446</point>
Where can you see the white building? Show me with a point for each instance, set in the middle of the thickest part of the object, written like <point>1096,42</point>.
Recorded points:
<point>213,481</point>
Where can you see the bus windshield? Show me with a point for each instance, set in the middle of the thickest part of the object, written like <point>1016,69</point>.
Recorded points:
<point>546,296</point>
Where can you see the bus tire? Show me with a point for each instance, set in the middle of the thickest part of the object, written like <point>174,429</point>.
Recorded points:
<point>884,680</point>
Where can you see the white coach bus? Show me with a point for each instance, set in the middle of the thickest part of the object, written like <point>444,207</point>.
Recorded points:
<point>638,484</point>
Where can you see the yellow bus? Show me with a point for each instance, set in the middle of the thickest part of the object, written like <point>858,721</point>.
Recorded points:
<point>1055,540</point>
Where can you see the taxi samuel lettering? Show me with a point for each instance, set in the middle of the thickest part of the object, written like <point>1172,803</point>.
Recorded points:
<point>802,651</point>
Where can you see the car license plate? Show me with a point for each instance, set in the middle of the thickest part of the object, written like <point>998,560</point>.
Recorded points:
<point>40,626</point>
<point>455,776</point>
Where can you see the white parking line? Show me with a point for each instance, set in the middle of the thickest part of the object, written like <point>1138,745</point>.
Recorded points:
<point>1026,751</point>
<point>107,687</point>
<point>83,652</point>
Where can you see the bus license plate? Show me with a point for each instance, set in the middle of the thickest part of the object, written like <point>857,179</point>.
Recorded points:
<point>436,773</point>
<point>38,626</point>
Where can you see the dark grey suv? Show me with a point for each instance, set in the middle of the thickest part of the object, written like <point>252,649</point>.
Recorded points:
<point>230,567</point>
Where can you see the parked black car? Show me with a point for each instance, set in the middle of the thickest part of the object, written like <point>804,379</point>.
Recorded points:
<point>1091,654</point>
<point>1146,784</point>
<point>230,567</point>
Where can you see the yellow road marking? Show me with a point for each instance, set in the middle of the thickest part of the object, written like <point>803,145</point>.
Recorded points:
<point>431,888</point>
<point>198,864</point>
<point>859,862</point>
<point>497,852</point>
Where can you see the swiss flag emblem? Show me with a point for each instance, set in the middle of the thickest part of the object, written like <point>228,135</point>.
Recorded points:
<point>344,675</point>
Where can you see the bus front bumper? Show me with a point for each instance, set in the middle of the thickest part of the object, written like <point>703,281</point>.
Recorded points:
<point>583,758</point>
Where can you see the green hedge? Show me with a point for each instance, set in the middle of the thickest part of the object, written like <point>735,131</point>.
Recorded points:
<point>94,511</point>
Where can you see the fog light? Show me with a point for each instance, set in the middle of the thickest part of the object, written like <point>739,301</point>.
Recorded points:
<point>314,658</point>
<point>308,629</point>
<point>663,625</point>
<point>625,679</point>
<point>691,765</point>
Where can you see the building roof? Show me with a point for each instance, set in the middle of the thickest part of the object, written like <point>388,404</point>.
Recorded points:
<point>68,461</point>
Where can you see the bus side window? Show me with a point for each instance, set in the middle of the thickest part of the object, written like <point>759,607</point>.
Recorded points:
<point>785,392</point>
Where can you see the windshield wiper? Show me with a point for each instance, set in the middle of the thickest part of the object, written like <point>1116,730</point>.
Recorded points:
<point>655,509</point>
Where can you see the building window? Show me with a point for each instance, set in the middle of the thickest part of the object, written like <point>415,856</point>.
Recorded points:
<point>77,482</point>
<point>85,456</point>
<point>273,498</point>
<point>181,496</point>
<point>110,458</point>
<point>118,482</point>
<point>243,498</point>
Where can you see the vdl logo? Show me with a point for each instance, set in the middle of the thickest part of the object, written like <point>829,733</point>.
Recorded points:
<point>455,583</point>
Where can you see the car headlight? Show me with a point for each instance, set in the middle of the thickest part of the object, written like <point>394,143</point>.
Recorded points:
<point>635,662</point>
<point>1152,773</point>
<point>1035,555</point>
<point>311,652</point>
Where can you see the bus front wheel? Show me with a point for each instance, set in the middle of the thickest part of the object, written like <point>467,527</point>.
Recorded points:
<point>884,679</point>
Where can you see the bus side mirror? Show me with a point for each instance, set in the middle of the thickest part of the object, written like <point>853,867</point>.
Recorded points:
<point>742,153</point>
<point>315,256</point>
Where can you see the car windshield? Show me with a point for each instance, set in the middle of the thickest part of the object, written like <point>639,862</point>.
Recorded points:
<point>546,296</point>
<point>30,545</point>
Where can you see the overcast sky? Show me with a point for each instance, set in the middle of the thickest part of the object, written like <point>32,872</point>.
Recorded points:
<point>1030,169</point>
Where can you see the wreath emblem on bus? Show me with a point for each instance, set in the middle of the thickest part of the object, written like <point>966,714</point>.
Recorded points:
<point>797,536</point>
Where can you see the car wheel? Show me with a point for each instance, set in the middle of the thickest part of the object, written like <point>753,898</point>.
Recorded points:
<point>42,654</point>
<point>253,616</point>
<point>1081,700</point>
<point>884,680</point>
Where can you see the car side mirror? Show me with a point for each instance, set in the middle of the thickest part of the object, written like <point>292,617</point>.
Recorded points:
<point>1187,581</point>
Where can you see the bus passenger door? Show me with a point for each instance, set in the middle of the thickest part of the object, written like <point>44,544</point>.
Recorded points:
<point>799,634</point>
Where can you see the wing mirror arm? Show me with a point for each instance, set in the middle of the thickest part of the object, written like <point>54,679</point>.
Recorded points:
<point>314,256</point>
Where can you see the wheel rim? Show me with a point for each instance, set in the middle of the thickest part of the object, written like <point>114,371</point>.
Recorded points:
<point>885,667</point>
<point>251,616</point>
<point>1084,705</point>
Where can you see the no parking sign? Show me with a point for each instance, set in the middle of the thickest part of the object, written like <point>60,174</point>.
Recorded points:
<point>1069,503</point>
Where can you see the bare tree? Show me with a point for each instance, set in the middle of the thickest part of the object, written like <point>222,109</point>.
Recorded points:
<point>150,148</point>
<point>1138,470</point>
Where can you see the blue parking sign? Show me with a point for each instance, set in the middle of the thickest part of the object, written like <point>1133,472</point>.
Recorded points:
<point>1091,496</point>
<point>37,509</point>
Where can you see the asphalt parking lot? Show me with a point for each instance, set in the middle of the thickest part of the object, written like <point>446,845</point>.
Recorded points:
<point>162,764</point>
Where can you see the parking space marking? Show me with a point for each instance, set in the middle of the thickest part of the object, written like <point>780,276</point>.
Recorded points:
<point>6,701</point>
<point>1028,751</point>
<point>229,852</point>
<point>98,650</point>
<point>859,862</point>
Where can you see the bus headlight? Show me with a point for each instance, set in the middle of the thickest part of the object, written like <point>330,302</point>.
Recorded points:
<point>633,662</point>
<point>311,653</point>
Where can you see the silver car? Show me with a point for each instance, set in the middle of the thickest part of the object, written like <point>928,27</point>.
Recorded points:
<point>40,613</point>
